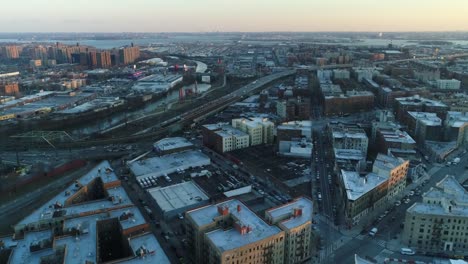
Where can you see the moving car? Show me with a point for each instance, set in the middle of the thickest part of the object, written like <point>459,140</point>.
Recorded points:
<point>373,231</point>
<point>407,251</point>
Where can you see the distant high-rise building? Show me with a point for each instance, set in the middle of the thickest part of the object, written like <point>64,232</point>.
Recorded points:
<point>129,54</point>
<point>11,52</point>
<point>103,59</point>
<point>8,88</point>
<point>92,59</point>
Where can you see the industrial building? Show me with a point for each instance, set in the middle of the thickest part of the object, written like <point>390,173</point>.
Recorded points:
<point>157,83</point>
<point>91,221</point>
<point>170,145</point>
<point>295,219</point>
<point>178,198</point>
<point>438,224</point>
<point>229,232</point>
<point>167,164</point>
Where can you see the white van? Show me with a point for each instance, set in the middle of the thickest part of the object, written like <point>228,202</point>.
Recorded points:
<point>407,251</point>
<point>373,232</point>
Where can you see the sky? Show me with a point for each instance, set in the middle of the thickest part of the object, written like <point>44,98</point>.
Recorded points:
<point>232,15</point>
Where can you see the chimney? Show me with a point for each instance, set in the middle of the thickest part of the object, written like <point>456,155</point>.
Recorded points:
<point>239,208</point>
<point>223,210</point>
<point>297,212</point>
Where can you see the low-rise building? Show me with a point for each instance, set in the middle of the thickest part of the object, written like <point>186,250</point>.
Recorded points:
<point>362,194</point>
<point>294,129</point>
<point>91,221</point>
<point>452,84</point>
<point>224,138</point>
<point>344,137</point>
<point>300,148</point>
<point>396,170</point>
<point>295,219</point>
<point>178,198</point>
<point>349,159</point>
<point>341,74</point>
<point>170,145</point>
<point>439,223</point>
<point>229,232</point>
<point>260,130</point>
<point>167,164</point>
<point>425,126</point>
<point>418,104</point>
<point>456,127</point>
<point>348,103</point>
<point>393,139</point>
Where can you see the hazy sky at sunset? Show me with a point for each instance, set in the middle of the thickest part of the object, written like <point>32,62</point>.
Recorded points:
<point>232,15</point>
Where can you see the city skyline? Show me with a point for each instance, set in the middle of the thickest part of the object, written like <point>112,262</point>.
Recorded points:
<point>235,16</point>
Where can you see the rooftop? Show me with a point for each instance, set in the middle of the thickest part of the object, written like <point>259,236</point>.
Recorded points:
<point>80,223</point>
<point>166,144</point>
<point>397,136</point>
<point>429,119</point>
<point>232,238</point>
<point>349,154</point>
<point>252,121</point>
<point>229,131</point>
<point>285,213</point>
<point>356,186</point>
<point>417,100</point>
<point>107,176</point>
<point>296,125</point>
<point>345,132</point>
<point>447,198</point>
<point>167,164</point>
<point>177,196</point>
<point>386,162</point>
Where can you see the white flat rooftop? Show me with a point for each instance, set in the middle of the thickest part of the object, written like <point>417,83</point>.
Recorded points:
<point>167,164</point>
<point>231,239</point>
<point>356,186</point>
<point>166,144</point>
<point>177,196</point>
<point>288,209</point>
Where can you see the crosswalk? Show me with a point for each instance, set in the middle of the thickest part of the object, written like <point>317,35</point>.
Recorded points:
<point>360,237</point>
<point>380,242</point>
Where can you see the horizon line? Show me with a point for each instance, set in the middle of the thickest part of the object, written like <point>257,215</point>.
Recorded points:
<point>242,32</point>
